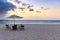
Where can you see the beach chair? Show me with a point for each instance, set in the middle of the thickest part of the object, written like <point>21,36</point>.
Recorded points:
<point>7,26</point>
<point>14,27</point>
<point>21,27</point>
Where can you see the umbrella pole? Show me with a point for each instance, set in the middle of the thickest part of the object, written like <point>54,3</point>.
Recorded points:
<point>14,20</point>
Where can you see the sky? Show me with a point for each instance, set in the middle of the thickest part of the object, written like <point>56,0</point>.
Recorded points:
<point>31,9</point>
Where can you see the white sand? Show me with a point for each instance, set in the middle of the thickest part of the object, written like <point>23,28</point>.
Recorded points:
<point>32,32</point>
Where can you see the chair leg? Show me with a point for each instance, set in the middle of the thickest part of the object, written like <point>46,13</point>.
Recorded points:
<point>21,28</point>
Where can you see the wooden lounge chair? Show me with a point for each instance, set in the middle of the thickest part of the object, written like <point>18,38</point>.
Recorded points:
<point>7,26</point>
<point>14,27</point>
<point>21,27</point>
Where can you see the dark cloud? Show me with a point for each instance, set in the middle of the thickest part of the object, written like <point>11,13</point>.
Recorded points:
<point>29,6</point>
<point>44,8</point>
<point>24,4</point>
<point>38,11</point>
<point>31,9</point>
<point>18,1</point>
<point>22,8</point>
<point>5,6</point>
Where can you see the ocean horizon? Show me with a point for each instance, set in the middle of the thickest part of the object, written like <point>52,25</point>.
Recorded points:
<point>29,21</point>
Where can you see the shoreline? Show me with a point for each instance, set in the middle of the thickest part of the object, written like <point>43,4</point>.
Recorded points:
<point>36,23</point>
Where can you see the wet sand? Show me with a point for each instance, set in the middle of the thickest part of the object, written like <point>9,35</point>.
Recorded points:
<point>32,32</point>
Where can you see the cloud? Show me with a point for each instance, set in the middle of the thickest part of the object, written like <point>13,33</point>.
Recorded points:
<point>5,6</point>
<point>18,1</point>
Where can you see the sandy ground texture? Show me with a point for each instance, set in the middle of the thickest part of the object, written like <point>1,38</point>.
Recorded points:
<point>32,32</point>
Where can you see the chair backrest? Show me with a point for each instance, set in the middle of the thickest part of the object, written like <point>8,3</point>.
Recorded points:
<point>22,25</point>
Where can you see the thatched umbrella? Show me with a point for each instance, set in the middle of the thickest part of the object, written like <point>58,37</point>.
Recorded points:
<point>14,17</point>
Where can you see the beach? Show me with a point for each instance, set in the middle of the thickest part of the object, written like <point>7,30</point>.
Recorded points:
<point>31,32</point>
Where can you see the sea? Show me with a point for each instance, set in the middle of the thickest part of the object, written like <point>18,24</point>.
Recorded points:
<point>29,21</point>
